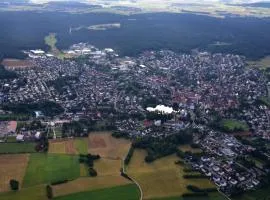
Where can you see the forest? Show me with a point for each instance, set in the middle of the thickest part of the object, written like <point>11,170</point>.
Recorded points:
<point>178,32</point>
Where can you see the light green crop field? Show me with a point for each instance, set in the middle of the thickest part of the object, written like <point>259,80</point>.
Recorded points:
<point>31,193</point>
<point>127,192</point>
<point>47,168</point>
<point>81,145</point>
<point>17,147</point>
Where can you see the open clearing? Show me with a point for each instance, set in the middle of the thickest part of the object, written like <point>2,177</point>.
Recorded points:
<point>14,147</point>
<point>88,184</point>
<point>16,64</point>
<point>12,167</point>
<point>126,192</point>
<point>47,168</point>
<point>262,64</point>
<point>162,178</point>
<point>31,193</point>
<point>69,146</point>
<point>187,147</point>
<point>106,146</point>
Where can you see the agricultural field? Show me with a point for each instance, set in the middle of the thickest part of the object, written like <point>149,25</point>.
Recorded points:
<point>162,178</point>
<point>88,184</point>
<point>69,146</point>
<point>263,63</point>
<point>30,193</point>
<point>127,192</point>
<point>107,167</point>
<point>12,167</point>
<point>106,146</point>
<point>15,148</point>
<point>47,168</point>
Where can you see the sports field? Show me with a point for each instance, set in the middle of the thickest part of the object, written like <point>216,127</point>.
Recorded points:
<point>127,192</point>
<point>88,184</point>
<point>31,193</point>
<point>162,178</point>
<point>47,168</point>
<point>26,147</point>
<point>12,167</point>
<point>106,146</point>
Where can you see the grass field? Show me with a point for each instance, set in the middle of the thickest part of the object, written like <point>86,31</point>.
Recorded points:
<point>162,178</point>
<point>264,63</point>
<point>81,145</point>
<point>46,168</point>
<point>127,192</point>
<point>106,167</point>
<point>106,146</point>
<point>231,125</point>
<point>26,147</point>
<point>12,167</point>
<point>31,193</point>
<point>89,183</point>
<point>187,147</point>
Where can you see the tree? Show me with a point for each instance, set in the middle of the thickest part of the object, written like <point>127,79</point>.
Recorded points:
<point>14,184</point>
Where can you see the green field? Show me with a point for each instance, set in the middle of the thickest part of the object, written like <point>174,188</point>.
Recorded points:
<point>46,168</point>
<point>81,145</point>
<point>212,196</point>
<point>51,41</point>
<point>27,147</point>
<point>31,193</point>
<point>127,192</point>
<point>231,125</point>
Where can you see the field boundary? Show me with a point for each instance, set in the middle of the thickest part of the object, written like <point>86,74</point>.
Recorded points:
<point>132,179</point>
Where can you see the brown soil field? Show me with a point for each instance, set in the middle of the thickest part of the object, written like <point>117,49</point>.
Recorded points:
<point>89,183</point>
<point>12,167</point>
<point>106,146</point>
<point>17,64</point>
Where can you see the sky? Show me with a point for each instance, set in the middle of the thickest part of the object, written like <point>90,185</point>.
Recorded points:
<point>180,1</point>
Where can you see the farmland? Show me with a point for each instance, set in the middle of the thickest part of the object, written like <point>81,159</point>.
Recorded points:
<point>69,146</point>
<point>87,184</point>
<point>162,178</point>
<point>13,148</point>
<point>46,168</point>
<point>31,193</point>
<point>106,146</point>
<point>127,192</point>
<point>12,167</point>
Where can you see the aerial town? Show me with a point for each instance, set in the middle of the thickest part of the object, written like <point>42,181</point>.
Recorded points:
<point>156,94</point>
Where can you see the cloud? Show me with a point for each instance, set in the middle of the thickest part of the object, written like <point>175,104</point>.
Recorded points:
<point>161,108</point>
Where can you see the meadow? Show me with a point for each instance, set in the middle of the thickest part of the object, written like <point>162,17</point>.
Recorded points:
<point>14,148</point>
<point>47,168</point>
<point>69,146</point>
<point>127,192</point>
<point>161,178</point>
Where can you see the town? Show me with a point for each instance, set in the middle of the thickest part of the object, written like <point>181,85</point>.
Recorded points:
<point>156,94</point>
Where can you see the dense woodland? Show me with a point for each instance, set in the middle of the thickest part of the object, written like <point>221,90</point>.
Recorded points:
<point>178,32</point>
